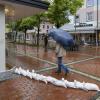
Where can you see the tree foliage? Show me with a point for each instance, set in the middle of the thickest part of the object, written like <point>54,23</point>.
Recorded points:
<point>38,18</point>
<point>59,10</point>
<point>26,23</point>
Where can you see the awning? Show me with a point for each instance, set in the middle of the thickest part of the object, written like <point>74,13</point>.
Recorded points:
<point>16,9</point>
<point>82,31</point>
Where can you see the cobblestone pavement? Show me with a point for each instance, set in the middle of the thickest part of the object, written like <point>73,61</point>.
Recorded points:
<point>86,60</point>
<point>23,88</point>
<point>90,67</point>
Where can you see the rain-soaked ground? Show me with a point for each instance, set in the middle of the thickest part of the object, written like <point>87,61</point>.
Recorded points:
<point>86,61</point>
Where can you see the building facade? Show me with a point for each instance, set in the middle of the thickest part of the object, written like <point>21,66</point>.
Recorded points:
<point>45,26</point>
<point>31,36</point>
<point>86,24</point>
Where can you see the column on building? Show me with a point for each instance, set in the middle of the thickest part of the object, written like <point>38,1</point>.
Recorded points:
<point>2,38</point>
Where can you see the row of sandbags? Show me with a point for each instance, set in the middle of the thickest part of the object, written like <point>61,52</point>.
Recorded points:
<point>63,83</point>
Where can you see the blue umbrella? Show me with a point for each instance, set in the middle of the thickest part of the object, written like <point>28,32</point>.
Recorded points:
<point>62,37</point>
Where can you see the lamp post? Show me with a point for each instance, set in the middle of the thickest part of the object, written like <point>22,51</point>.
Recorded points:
<point>97,26</point>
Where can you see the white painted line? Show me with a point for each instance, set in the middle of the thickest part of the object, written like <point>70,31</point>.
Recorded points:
<point>72,69</point>
<point>86,75</point>
<point>82,60</point>
<point>75,71</point>
<point>30,55</point>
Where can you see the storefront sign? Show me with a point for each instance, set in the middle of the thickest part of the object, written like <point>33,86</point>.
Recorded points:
<point>83,25</point>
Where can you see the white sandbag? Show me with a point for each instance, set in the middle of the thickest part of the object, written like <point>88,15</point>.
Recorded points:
<point>33,71</point>
<point>34,76</point>
<point>91,86</point>
<point>43,78</point>
<point>38,77</point>
<point>29,74</point>
<point>23,72</point>
<point>69,84</point>
<point>20,69</point>
<point>59,83</point>
<point>51,79</point>
<point>17,71</point>
<point>79,84</point>
<point>62,83</point>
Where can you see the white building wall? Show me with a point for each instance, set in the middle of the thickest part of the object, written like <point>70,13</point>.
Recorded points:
<point>71,18</point>
<point>2,38</point>
<point>45,28</point>
<point>82,12</point>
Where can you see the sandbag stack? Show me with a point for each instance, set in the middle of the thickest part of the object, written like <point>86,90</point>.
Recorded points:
<point>62,83</point>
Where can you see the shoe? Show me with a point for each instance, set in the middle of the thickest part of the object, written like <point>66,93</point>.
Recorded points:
<point>67,71</point>
<point>58,72</point>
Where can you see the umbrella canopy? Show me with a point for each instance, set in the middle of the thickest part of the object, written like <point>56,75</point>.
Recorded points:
<point>62,37</point>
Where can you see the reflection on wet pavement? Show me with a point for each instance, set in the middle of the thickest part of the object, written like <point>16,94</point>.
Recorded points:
<point>90,67</point>
<point>27,57</point>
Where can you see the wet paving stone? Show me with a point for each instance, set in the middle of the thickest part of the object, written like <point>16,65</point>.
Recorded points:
<point>84,53</point>
<point>50,55</point>
<point>91,67</point>
<point>96,97</point>
<point>29,63</point>
<point>23,88</point>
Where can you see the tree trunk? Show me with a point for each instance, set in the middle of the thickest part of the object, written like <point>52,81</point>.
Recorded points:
<point>16,36</point>
<point>25,36</point>
<point>57,24</point>
<point>38,32</point>
<point>38,37</point>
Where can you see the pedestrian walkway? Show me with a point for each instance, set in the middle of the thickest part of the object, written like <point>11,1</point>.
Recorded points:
<point>23,88</point>
<point>45,63</point>
<point>90,67</point>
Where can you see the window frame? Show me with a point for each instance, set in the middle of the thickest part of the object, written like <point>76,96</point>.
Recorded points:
<point>88,16</point>
<point>89,5</point>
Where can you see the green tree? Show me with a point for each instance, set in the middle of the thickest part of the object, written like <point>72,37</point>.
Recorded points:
<point>14,26</point>
<point>26,23</point>
<point>38,18</point>
<point>59,11</point>
<point>10,27</point>
<point>17,27</point>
